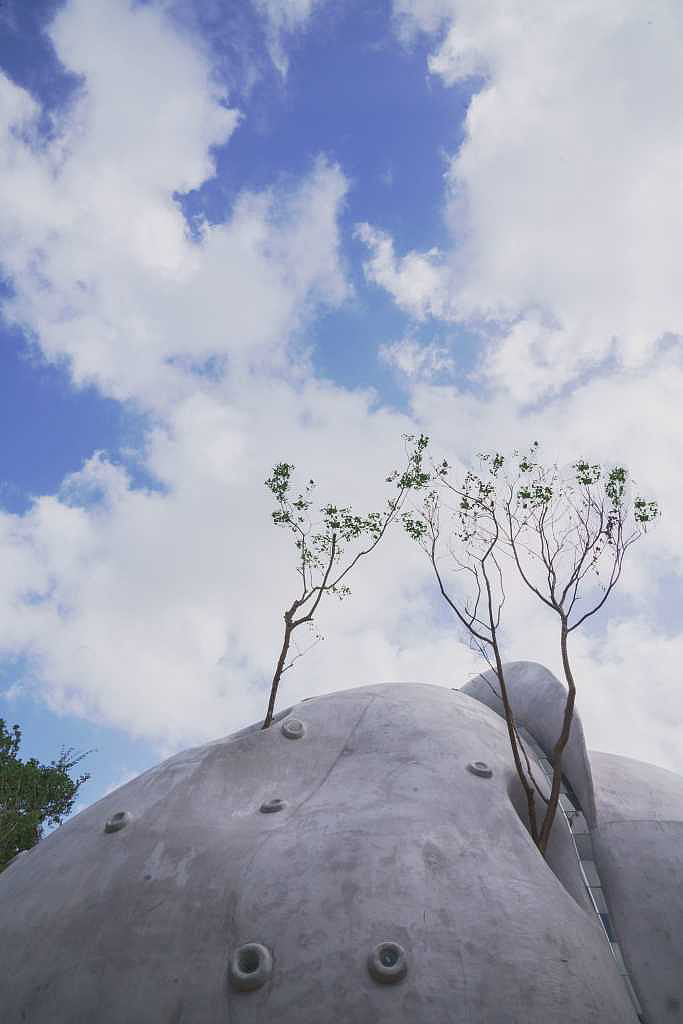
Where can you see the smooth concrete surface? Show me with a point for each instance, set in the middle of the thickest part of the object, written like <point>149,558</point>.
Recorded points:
<point>638,847</point>
<point>538,698</point>
<point>630,790</point>
<point>384,837</point>
<point>561,856</point>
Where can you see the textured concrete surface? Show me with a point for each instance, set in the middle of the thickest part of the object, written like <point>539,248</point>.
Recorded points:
<point>537,698</point>
<point>383,836</point>
<point>638,846</point>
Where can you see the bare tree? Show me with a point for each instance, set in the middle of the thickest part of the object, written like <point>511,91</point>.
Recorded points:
<point>320,547</point>
<point>565,532</point>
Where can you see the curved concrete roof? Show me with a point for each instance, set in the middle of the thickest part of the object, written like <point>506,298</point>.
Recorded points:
<point>537,698</point>
<point>630,790</point>
<point>384,835</point>
<point>638,848</point>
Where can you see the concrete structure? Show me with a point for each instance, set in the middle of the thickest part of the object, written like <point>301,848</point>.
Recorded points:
<point>363,861</point>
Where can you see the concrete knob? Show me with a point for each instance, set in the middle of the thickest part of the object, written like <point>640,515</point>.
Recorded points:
<point>293,729</point>
<point>388,962</point>
<point>251,965</point>
<point>117,821</point>
<point>272,806</point>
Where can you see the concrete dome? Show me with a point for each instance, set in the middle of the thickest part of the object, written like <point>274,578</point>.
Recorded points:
<point>393,882</point>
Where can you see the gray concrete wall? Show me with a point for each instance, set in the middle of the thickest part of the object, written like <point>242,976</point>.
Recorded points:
<point>384,835</point>
<point>638,845</point>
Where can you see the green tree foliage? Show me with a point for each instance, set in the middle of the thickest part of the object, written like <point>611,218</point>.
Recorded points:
<point>564,531</point>
<point>32,795</point>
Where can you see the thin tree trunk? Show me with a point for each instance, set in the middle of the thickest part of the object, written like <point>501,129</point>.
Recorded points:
<point>528,789</point>
<point>562,741</point>
<point>279,669</point>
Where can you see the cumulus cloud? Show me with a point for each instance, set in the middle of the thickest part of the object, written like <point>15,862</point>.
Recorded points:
<point>563,199</point>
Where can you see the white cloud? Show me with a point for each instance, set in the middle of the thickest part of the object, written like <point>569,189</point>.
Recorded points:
<point>628,695</point>
<point>17,109</point>
<point>160,611</point>
<point>283,17</point>
<point>416,360</point>
<point>416,281</point>
<point>105,272</point>
<point>156,127</point>
<point>634,702</point>
<point>564,198</point>
<point>565,218</point>
<point>127,603</point>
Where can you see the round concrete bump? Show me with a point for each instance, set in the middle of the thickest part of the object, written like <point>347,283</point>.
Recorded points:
<point>388,962</point>
<point>273,805</point>
<point>480,768</point>
<point>117,821</point>
<point>251,965</point>
<point>293,729</point>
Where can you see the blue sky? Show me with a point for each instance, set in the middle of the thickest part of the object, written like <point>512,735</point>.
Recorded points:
<point>239,233</point>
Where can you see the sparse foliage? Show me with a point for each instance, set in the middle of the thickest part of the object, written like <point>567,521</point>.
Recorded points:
<point>32,794</point>
<point>321,546</point>
<point>565,532</point>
